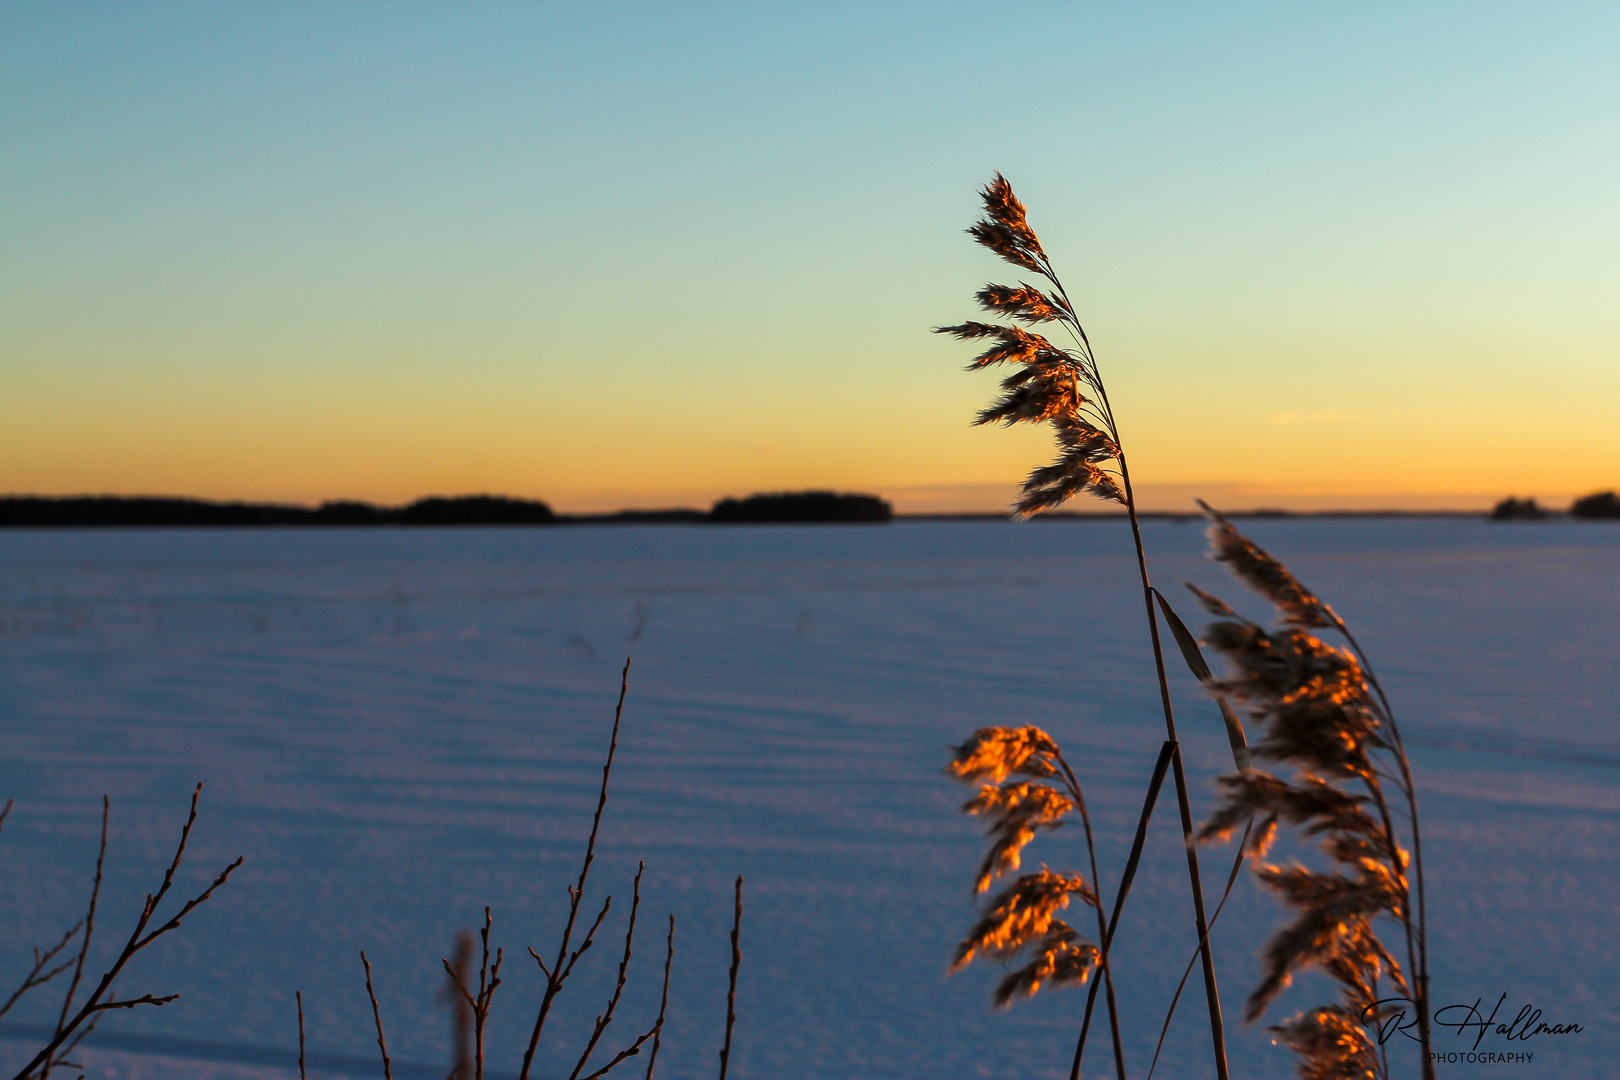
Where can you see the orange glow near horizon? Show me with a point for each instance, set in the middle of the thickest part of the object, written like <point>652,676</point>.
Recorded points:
<point>645,274</point>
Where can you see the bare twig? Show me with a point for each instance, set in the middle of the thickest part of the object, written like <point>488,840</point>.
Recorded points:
<point>628,1052</point>
<point>576,894</point>
<point>89,924</point>
<point>382,1043</point>
<point>731,993</point>
<point>488,979</point>
<point>138,940</point>
<point>130,1003</point>
<point>34,977</point>
<point>584,947</point>
<point>663,1003</point>
<point>298,995</point>
<point>606,1018</point>
<point>89,920</point>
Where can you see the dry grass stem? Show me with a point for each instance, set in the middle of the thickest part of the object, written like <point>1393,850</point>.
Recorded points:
<point>458,973</point>
<point>731,992</point>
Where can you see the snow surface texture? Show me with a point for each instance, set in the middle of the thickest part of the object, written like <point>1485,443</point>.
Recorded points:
<point>398,727</point>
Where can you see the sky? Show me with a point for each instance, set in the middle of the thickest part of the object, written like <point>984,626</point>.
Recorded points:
<point>1330,255</point>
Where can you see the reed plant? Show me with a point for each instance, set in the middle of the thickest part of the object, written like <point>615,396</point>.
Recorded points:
<point>1321,709</point>
<point>1063,386</point>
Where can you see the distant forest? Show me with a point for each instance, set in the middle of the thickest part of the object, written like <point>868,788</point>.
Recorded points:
<point>118,511</point>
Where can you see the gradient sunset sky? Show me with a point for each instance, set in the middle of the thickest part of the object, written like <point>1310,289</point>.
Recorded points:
<point>652,254</point>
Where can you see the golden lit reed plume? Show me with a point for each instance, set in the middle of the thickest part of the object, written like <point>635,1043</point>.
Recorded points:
<point>1318,713</point>
<point>1051,385</point>
<point>1064,387</point>
<point>1021,919</point>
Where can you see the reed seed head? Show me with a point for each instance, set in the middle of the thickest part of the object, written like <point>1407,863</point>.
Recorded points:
<point>1313,804</point>
<point>1313,699</point>
<point>1021,913</point>
<point>1331,1044</point>
<point>1332,929</point>
<point>1025,303</point>
<point>1061,958</point>
<point>995,753</point>
<point>1005,229</point>
<point>1315,704</point>
<point>1264,574</point>
<point>1056,386</point>
<point>1212,604</point>
<point>1016,811</point>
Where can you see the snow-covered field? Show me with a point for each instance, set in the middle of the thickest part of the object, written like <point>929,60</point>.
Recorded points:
<point>399,727</point>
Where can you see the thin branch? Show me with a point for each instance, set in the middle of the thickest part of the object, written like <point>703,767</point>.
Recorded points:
<point>606,1018</point>
<point>663,1003</point>
<point>576,894</point>
<point>90,918</point>
<point>135,944</point>
<point>731,994</point>
<point>298,995</point>
<point>382,1044</point>
<point>628,1052</point>
<point>34,978</point>
<point>483,1011</point>
<point>61,1059</point>
<point>590,939</point>
<point>144,999</point>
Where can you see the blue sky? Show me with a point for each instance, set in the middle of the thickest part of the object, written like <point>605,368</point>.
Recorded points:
<point>643,253</point>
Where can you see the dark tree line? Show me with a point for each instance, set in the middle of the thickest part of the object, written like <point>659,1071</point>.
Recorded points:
<point>116,511</point>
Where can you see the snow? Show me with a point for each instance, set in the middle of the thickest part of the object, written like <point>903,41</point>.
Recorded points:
<point>397,727</point>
